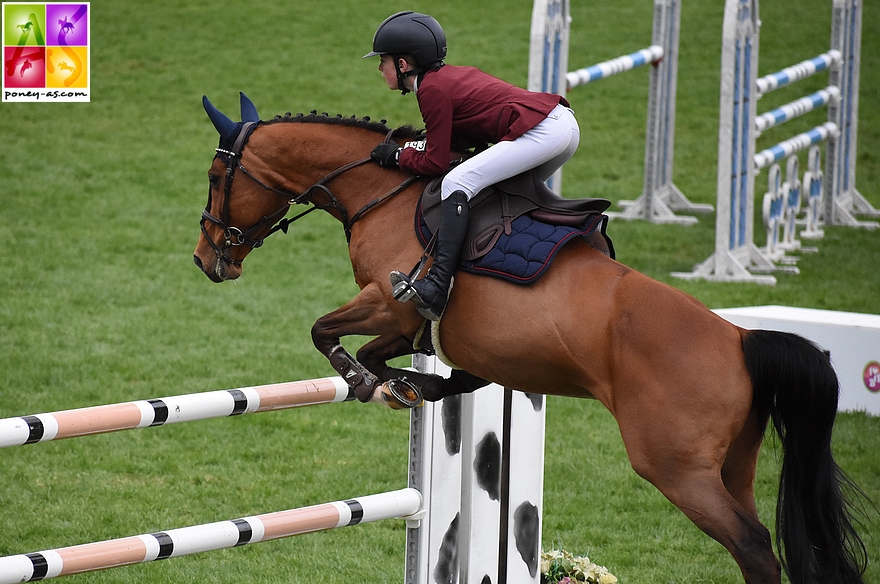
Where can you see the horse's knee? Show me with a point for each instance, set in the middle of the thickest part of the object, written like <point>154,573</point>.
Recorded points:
<point>320,338</point>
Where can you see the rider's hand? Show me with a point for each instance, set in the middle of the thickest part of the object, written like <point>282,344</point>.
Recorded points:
<point>386,154</point>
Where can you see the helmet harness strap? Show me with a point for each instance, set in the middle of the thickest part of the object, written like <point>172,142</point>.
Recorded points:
<point>401,76</point>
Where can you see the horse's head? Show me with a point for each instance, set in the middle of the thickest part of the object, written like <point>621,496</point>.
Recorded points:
<point>261,168</point>
<point>239,213</point>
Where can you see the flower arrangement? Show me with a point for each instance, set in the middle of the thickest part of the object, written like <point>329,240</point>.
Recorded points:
<point>561,567</point>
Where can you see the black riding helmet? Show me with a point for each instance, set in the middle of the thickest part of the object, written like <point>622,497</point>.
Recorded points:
<point>410,33</point>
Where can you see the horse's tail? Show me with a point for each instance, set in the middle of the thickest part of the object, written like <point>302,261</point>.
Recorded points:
<point>795,386</point>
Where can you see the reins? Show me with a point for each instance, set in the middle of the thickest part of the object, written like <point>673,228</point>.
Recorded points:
<point>235,236</point>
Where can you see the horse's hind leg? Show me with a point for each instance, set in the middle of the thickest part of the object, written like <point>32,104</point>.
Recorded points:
<point>700,492</point>
<point>710,506</point>
<point>403,386</point>
<point>738,471</point>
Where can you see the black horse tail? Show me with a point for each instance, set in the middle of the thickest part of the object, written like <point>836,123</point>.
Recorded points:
<point>795,386</point>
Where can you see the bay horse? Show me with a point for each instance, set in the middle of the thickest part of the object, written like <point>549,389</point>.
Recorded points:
<point>691,393</point>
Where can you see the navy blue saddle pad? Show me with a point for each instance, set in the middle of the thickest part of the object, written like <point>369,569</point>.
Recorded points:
<point>524,255</point>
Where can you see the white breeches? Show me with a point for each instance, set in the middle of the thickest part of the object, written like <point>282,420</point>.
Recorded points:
<point>544,148</point>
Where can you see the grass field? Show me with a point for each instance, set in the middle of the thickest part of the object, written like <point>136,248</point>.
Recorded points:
<point>100,302</point>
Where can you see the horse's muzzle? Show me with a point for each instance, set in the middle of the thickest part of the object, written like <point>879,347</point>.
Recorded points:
<point>216,273</point>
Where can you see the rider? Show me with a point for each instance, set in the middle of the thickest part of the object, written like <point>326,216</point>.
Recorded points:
<point>529,130</point>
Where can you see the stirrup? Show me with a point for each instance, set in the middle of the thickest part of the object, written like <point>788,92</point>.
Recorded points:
<point>403,290</point>
<point>401,287</point>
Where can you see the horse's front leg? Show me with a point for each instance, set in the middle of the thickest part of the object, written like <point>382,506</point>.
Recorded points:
<point>403,384</point>
<point>367,314</point>
<point>375,355</point>
<point>401,388</point>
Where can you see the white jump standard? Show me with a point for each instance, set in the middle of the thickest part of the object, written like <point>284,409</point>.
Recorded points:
<point>736,257</point>
<point>548,71</point>
<point>844,200</point>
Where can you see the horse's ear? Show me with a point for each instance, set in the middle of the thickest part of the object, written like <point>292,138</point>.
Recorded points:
<point>248,109</point>
<point>221,121</point>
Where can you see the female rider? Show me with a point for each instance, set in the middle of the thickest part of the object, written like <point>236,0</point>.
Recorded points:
<point>528,130</point>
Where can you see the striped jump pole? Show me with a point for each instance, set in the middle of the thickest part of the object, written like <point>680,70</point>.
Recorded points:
<point>795,144</point>
<point>473,504</point>
<point>170,410</point>
<point>548,71</point>
<point>652,54</point>
<point>401,504</point>
<point>797,72</point>
<point>796,108</point>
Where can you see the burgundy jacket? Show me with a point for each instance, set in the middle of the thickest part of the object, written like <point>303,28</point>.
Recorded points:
<point>464,102</point>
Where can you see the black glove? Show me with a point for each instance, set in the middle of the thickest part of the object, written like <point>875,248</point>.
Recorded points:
<point>386,154</point>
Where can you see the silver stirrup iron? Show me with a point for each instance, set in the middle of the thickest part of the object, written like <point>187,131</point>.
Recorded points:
<point>401,286</point>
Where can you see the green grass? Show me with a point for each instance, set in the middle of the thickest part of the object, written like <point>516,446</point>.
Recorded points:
<point>100,303</point>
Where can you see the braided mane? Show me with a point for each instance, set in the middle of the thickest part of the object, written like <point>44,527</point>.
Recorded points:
<point>313,117</point>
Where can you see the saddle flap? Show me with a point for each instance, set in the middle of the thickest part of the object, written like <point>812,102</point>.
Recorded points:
<point>492,212</point>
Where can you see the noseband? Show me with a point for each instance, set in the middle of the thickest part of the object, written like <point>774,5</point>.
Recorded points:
<point>235,236</point>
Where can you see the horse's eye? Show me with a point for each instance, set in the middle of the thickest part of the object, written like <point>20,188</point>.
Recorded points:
<point>214,178</point>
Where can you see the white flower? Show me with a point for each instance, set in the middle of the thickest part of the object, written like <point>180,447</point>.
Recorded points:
<point>579,569</point>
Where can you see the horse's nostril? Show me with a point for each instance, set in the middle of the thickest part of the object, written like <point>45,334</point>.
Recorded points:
<point>198,263</point>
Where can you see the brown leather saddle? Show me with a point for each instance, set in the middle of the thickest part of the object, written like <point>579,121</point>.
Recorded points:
<point>495,208</point>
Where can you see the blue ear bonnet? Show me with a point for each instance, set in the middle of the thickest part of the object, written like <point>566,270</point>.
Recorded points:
<point>228,129</point>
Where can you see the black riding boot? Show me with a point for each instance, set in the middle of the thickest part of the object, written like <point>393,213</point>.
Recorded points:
<point>432,291</point>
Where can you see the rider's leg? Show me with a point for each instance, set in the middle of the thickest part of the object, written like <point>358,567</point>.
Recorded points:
<point>545,148</point>
<point>432,291</point>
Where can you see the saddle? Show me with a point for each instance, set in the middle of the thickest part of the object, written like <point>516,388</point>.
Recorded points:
<point>515,229</point>
<point>495,209</point>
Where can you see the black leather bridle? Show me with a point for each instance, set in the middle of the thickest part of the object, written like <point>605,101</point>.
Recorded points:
<point>235,236</point>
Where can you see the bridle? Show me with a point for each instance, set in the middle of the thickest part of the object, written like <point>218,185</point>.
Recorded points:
<point>235,236</point>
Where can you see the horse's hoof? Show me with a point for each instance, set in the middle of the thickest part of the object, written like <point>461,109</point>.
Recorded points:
<point>398,394</point>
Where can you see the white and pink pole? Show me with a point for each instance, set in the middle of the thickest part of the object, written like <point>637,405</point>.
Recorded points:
<point>170,410</point>
<point>401,504</point>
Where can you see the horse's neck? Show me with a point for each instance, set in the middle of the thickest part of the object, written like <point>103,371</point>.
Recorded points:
<point>302,155</point>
